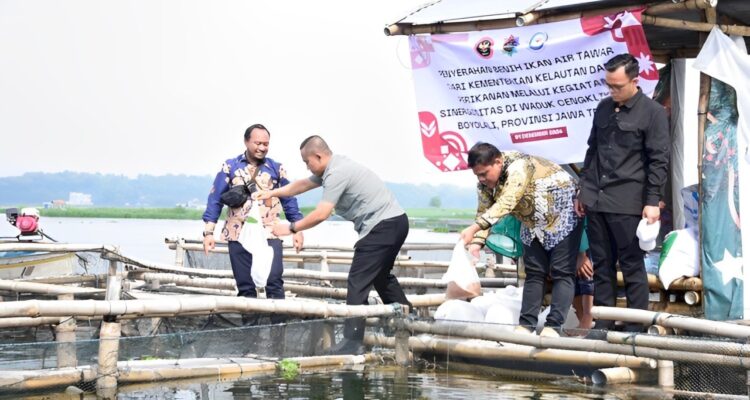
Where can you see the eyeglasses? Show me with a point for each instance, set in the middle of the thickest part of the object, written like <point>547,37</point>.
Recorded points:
<point>614,87</point>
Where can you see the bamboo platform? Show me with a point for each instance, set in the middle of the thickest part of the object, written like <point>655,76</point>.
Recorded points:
<point>136,290</point>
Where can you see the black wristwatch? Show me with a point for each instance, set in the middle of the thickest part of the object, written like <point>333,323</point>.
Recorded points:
<point>291,228</point>
<point>206,233</point>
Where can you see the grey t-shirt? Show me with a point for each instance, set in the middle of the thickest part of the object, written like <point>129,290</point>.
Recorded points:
<point>359,195</point>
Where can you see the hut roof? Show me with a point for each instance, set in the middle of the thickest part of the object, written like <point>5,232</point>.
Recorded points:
<point>467,15</point>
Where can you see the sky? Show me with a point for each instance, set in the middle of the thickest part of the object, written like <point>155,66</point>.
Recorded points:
<point>169,86</point>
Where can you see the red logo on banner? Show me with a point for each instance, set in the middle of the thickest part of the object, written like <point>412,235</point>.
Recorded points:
<point>420,50</point>
<point>541,134</point>
<point>445,150</point>
<point>625,27</point>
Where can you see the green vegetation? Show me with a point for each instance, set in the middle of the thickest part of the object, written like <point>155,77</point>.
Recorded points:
<point>427,214</point>
<point>123,212</point>
<point>289,369</point>
<point>435,202</point>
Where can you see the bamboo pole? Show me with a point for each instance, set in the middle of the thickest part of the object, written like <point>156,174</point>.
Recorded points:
<point>492,350</point>
<point>480,25</point>
<point>467,26</point>
<point>171,305</point>
<point>45,288</point>
<point>159,370</point>
<point>738,30</point>
<point>717,328</point>
<point>683,283</point>
<point>62,280</point>
<point>405,247</point>
<point>57,247</point>
<point>692,298</point>
<point>680,344</point>
<point>612,376</point>
<point>229,284</point>
<point>28,380</point>
<point>483,331</point>
<point>27,322</point>
<point>670,7</point>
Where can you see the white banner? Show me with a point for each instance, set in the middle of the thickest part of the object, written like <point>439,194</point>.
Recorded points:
<point>533,88</point>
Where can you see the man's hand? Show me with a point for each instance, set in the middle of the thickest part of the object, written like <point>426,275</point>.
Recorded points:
<point>262,195</point>
<point>468,234</point>
<point>281,230</point>
<point>209,243</point>
<point>299,240</point>
<point>651,213</point>
<point>585,268</point>
<point>579,208</point>
<point>474,250</point>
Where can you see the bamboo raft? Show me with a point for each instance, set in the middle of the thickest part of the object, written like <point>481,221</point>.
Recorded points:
<point>136,290</point>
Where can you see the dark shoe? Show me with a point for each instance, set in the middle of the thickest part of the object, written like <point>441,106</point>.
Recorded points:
<point>596,334</point>
<point>346,346</point>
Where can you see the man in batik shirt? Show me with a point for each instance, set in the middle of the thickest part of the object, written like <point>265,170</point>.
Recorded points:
<point>240,170</point>
<point>540,194</point>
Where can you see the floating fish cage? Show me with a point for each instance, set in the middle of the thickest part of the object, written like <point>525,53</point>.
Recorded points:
<point>117,321</point>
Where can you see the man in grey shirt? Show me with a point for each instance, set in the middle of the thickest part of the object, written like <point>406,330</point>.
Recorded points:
<point>358,195</point>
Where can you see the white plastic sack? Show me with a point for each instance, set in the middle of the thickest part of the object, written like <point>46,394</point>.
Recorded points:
<point>459,310</point>
<point>462,277</point>
<point>681,257</point>
<point>254,239</point>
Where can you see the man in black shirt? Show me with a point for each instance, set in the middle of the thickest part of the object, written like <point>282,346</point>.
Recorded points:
<point>622,181</point>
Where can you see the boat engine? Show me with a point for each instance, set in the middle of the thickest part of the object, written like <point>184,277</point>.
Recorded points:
<point>27,221</point>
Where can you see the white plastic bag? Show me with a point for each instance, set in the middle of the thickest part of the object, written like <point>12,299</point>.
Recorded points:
<point>462,277</point>
<point>253,238</point>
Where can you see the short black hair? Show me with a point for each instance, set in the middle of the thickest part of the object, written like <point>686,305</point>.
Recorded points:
<point>623,60</point>
<point>316,143</point>
<point>249,130</point>
<point>483,154</point>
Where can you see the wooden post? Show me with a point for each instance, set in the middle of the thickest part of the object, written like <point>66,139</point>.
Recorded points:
<point>402,347</point>
<point>666,373</point>
<point>114,282</point>
<point>65,336</point>
<point>328,335</point>
<point>109,346</point>
<point>665,368</point>
<point>324,266</point>
<point>179,252</point>
<point>109,340</point>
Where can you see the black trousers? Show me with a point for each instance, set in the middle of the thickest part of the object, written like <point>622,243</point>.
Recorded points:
<point>242,262</point>
<point>559,263</point>
<point>373,260</point>
<point>612,238</point>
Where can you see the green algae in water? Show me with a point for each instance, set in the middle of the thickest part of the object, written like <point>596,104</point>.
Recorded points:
<point>289,369</point>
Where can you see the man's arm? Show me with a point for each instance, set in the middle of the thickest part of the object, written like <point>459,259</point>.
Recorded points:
<point>590,154</point>
<point>214,206</point>
<point>321,212</point>
<point>289,204</point>
<point>657,157</point>
<point>292,189</point>
<point>519,176</point>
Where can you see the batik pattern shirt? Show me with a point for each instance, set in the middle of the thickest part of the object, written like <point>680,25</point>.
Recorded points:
<point>537,192</point>
<point>238,171</point>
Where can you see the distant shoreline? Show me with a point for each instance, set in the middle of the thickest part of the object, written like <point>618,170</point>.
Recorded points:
<point>442,219</point>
